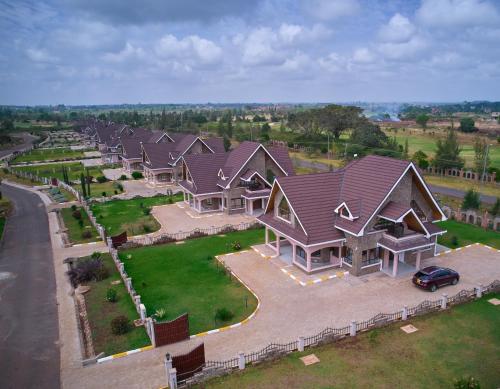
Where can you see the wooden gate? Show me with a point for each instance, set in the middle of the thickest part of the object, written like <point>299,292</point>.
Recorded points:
<point>172,331</point>
<point>118,240</point>
<point>190,363</point>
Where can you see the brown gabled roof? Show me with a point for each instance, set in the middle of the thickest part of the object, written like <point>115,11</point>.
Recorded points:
<point>236,159</point>
<point>405,245</point>
<point>394,211</point>
<point>433,228</point>
<point>131,148</point>
<point>280,154</point>
<point>158,154</point>
<point>215,144</point>
<point>203,169</point>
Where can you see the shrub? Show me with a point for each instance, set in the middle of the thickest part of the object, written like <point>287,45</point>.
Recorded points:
<point>73,207</point>
<point>87,269</point>
<point>80,223</point>
<point>120,325</point>
<point>160,314</point>
<point>236,246</point>
<point>76,214</point>
<point>147,211</point>
<point>471,200</point>
<point>466,383</point>
<point>223,314</point>
<point>103,194</point>
<point>454,241</point>
<point>116,192</point>
<point>119,187</point>
<point>170,200</point>
<point>111,295</point>
<point>87,234</point>
<point>137,175</point>
<point>123,177</point>
<point>146,228</point>
<point>101,179</point>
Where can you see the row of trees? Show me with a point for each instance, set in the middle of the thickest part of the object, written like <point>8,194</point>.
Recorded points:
<point>467,124</point>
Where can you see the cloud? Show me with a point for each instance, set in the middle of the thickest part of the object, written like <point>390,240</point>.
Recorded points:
<point>127,53</point>
<point>404,50</point>
<point>192,48</point>
<point>399,29</point>
<point>363,55</point>
<point>41,56</point>
<point>457,13</point>
<point>163,11</point>
<point>331,9</point>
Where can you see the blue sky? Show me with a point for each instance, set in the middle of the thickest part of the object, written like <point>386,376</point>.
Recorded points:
<point>161,51</point>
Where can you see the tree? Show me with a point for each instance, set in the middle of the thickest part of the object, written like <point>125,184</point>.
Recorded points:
<point>369,135</point>
<point>448,152</point>
<point>495,210</point>
<point>82,182</point>
<point>89,179</point>
<point>227,143</point>
<point>471,200</point>
<point>421,159</point>
<point>221,131</point>
<point>406,150</point>
<point>264,132</point>
<point>481,159</point>
<point>467,125</point>
<point>422,120</point>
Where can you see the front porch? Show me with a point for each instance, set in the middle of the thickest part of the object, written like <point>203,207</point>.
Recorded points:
<point>158,177</point>
<point>132,165</point>
<point>308,259</point>
<point>203,203</point>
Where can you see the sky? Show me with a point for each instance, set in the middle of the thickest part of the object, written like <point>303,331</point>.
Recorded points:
<point>186,51</point>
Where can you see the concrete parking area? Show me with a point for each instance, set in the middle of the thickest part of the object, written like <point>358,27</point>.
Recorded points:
<point>179,217</point>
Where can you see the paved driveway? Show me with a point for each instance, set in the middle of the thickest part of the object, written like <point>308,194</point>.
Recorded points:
<point>179,217</point>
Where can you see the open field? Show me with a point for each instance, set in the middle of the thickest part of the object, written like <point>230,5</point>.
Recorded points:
<point>186,278</point>
<point>467,234</point>
<point>132,215</point>
<point>460,342</point>
<point>55,154</point>
<point>55,170</point>
<point>100,313</point>
<point>75,231</point>
<point>463,184</point>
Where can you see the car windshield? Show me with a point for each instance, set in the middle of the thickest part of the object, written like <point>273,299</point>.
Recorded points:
<point>421,274</point>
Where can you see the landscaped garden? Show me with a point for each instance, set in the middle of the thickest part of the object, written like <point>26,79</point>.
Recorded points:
<point>186,277</point>
<point>106,300</point>
<point>133,216</point>
<point>461,234</point>
<point>461,342</point>
<point>80,229</point>
<point>54,154</point>
<point>74,169</point>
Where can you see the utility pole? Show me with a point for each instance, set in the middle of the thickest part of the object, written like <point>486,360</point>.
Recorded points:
<point>328,147</point>
<point>484,163</point>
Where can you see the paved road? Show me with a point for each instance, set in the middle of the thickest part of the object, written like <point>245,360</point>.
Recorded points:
<point>29,352</point>
<point>460,193</point>
<point>28,141</point>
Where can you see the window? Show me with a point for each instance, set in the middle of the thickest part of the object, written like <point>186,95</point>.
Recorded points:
<point>344,212</point>
<point>418,210</point>
<point>237,203</point>
<point>348,256</point>
<point>369,257</point>
<point>300,252</point>
<point>284,209</point>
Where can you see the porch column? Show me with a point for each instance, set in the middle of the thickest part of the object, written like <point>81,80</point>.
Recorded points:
<point>417,263</point>
<point>395,265</point>
<point>277,244</point>
<point>308,256</point>
<point>262,201</point>
<point>294,252</point>
<point>386,258</point>
<point>250,206</point>
<point>267,235</point>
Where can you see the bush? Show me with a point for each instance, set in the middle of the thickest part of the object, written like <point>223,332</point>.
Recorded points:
<point>147,211</point>
<point>116,192</point>
<point>223,314</point>
<point>466,383</point>
<point>103,194</point>
<point>77,214</point>
<point>123,177</point>
<point>111,295</point>
<point>80,223</point>
<point>101,179</point>
<point>73,207</point>
<point>119,187</point>
<point>87,269</point>
<point>236,246</point>
<point>471,200</point>
<point>120,325</point>
<point>87,234</point>
<point>137,175</point>
<point>454,241</point>
<point>160,314</point>
<point>146,228</point>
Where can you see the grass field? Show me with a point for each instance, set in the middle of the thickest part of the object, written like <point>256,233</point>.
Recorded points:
<point>117,216</point>
<point>100,313</point>
<point>460,342</point>
<point>186,278</point>
<point>55,170</point>
<point>49,155</point>
<point>467,234</point>
<point>74,230</point>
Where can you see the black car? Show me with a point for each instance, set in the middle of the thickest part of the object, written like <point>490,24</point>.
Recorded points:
<point>434,277</point>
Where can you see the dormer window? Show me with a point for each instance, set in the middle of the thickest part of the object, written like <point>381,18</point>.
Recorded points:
<point>221,175</point>
<point>344,212</point>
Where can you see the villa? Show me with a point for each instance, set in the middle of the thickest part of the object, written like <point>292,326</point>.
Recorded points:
<point>375,214</point>
<point>234,182</point>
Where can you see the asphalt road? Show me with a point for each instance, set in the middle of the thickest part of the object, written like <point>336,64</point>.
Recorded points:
<point>28,141</point>
<point>29,352</point>
<point>460,193</point>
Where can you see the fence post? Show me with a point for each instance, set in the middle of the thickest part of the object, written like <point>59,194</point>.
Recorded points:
<point>151,331</point>
<point>168,365</point>
<point>110,243</point>
<point>479,291</point>
<point>142,312</point>
<point>241,360</point>
<point>404,315</point>
<point>444,301</point>
<point>137,301</point>
<point>353,328</point>
<point>172,378</point>
<point>128,283</point>
<point>301,343</point>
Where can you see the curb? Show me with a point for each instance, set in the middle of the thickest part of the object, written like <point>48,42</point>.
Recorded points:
<point>466,247</point>
<point>244,321</point>
<point>124,354</point>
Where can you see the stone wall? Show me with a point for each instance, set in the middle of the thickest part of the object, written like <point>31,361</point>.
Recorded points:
<point>464,174</point>
<point>484,220</point>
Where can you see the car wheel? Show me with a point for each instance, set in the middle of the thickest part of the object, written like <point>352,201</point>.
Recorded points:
<point>433,288</point>
<point>455,281</point>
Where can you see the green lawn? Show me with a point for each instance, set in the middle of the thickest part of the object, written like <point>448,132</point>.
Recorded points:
<point>101,312</point>
<point>55,170</point>
<point>467,234</point>
<point>186,278</point>
<point>117,216</point>
<point>74,230</point>
<point>55,154</point>
<point>460,342</point>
